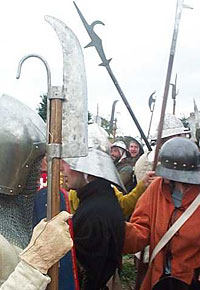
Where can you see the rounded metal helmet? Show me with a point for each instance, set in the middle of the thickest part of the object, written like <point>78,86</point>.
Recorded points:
<point>98,161</point>
<point>120,144</point>
<point>22,142</point>
<point>172,126</point>
<point>179,160</point>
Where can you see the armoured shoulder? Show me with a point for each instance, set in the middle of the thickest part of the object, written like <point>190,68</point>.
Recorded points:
<point>143,165</point>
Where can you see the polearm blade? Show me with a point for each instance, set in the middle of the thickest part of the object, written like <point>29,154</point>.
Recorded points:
<point>112,116</point>
<point>179,8</point>
<point>152,100</point>
<point>97,43</point>
<point>75,111</point>
<point>67,119</point>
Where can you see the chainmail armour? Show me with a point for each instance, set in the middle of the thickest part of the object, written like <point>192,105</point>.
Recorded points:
<point>16,211</point>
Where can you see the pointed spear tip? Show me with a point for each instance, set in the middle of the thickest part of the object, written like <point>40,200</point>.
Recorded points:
<point>76,5</point>
<point>46,17</point>
<point>49,18</point>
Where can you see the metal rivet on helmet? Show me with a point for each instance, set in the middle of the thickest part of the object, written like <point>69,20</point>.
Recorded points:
<point>179,160</point>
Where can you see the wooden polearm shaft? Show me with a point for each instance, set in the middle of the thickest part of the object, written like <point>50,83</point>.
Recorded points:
<point>174,106</point>
<point>179,8</point>
<point>53,205</point>
<point>55,137</point>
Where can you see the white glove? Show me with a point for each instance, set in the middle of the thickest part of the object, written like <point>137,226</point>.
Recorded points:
<point>49,243</point>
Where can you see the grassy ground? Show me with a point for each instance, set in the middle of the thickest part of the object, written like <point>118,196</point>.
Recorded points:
<point>128,273</point>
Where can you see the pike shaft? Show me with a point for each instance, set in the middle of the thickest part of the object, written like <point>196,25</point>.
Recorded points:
<point>55,136</point>
<point>97,43</point>
<point>128,107</point>
<point>174,107</point>
<point>168,77</point>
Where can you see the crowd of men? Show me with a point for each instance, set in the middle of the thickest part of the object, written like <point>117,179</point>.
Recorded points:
<point>119,206</point>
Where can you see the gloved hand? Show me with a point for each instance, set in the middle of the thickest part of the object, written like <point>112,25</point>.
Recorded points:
<point>49,243</point>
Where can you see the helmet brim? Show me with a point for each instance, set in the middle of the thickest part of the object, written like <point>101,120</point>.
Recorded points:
<point>96,163</point>
<point>190,177</point>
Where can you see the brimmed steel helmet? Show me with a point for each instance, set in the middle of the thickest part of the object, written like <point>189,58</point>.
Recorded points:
<point>179,160</point>
<point>120,144</point>
<point>172,126</point>
<point>98,161</point>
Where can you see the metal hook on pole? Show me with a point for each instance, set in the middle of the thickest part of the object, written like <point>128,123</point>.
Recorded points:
<point>46,66</point>
<point>49,93</point>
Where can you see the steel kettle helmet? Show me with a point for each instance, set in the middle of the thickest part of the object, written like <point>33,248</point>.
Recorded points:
<point>179,160</point>
<point>98,161</point>
<point>172,126</point>
<point>120,144</point>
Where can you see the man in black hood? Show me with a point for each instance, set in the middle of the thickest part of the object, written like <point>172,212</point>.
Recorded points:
<point>98,222</point>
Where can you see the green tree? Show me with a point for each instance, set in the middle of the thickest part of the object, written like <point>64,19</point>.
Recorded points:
<point>89,117</point>
<point>105,124</point>
<point>185,122</point>
<point>42,108</point>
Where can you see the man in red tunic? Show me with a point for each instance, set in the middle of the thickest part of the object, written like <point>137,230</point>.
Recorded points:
<point>160,206</point>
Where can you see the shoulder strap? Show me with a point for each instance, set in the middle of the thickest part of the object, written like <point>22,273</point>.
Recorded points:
<point>175,227</point>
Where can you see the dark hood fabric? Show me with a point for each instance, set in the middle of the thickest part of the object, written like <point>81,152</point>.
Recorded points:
<point>98,234</point>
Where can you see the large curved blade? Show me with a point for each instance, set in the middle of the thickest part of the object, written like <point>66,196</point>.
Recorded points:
<point>75,112</point>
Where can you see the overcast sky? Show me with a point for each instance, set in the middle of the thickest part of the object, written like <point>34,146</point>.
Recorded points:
<point>137,36</point>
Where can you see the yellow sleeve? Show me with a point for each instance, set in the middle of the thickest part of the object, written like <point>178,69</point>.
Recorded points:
<point>128,201</point>
<point>73,201</point>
